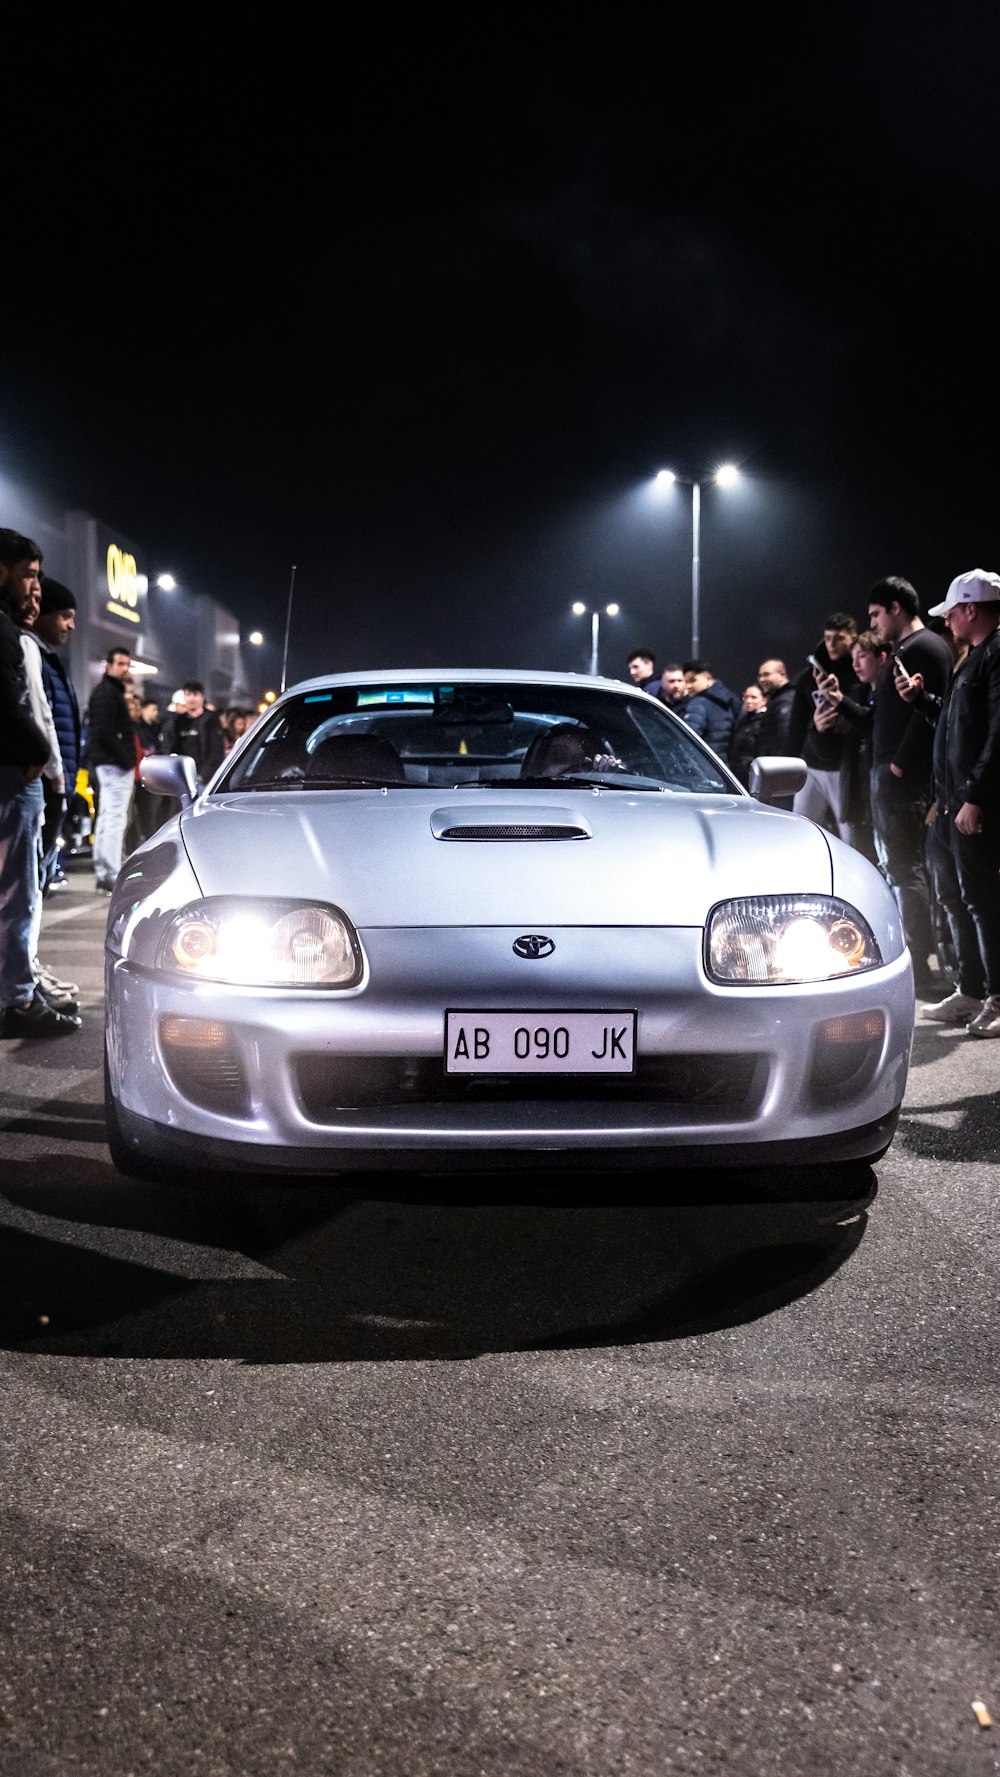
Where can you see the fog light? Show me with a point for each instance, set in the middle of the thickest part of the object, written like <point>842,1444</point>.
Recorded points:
<point>193,1033</point>
<point>854,1027</point>
<point>845,1053</point>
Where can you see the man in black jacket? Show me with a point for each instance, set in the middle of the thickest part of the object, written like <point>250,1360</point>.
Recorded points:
<point>772,677</point>
<point>821,797</point>
<point>24,752</point>
<point>967,789</point>
<point>196,732</point>
<point>901,761</point>
<point>112,755</point>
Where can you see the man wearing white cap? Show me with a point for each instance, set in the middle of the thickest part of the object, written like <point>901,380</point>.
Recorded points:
<point>967,787</point>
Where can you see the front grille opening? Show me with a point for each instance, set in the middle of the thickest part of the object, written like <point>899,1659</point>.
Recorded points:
<point>518,831</point>
<point>718,1086</point>
<point>202,1062</point>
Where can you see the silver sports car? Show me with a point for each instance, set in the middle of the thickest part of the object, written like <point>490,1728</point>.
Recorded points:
<point>483,919</point>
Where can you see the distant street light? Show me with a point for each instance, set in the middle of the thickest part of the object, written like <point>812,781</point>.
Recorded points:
<point>165,582</point>
<point>256,638</point>
<point>595,629</point>
<point>727,475</point>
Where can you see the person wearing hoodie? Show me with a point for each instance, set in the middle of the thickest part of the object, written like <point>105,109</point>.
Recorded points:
<point>711,708</point>
<point>822,797</point>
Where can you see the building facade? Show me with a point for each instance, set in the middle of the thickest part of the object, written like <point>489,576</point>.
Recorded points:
<point>171,635</point>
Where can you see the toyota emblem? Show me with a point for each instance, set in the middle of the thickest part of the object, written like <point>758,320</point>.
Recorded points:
<point>533,945</point>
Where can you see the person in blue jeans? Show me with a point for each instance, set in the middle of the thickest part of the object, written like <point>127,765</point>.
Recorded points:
<point>111,756</point>
<point>24,752</point>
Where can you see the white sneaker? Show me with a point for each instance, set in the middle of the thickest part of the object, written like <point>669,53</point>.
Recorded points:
<point>956,1009</point>
<point>987,1022</point>
<point>51,983</point>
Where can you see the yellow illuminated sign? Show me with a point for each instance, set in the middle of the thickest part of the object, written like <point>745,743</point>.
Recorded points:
<point>123,584</point>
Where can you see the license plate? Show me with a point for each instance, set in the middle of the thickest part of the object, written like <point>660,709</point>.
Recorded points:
<point>539,1042</point>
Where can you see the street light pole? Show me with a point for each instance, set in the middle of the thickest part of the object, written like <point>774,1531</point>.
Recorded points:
<point>695,568</point>
<point>288,625</point>
<point>580,610</point>
<point>726,476</point>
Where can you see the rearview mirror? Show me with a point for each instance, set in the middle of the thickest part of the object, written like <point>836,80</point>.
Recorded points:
<point>773,778</point>
<point>176,776</point>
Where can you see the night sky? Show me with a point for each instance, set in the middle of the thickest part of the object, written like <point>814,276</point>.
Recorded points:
<point>421,305</point>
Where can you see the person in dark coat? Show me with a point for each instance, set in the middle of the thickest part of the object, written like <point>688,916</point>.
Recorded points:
<point>711,709</point>
<point>902,745</point>
<point>196,732</point>
<point>745,743</point>
<point>966,764</point>
<point>823,748</point>
<point>856,714</point>
<point>111,754</point>
<point>54,625</point>
<point>772,677</point>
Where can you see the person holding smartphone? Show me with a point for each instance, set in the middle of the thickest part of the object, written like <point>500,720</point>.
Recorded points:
<point>902,742</point>
<point>824,744</point>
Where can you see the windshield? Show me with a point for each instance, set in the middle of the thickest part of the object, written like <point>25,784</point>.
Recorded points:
<point>446,736</point>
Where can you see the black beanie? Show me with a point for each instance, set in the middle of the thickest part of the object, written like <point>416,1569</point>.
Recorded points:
<point>56,597</point>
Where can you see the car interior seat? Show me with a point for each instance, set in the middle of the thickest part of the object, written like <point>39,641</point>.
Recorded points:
<point>357,755</point>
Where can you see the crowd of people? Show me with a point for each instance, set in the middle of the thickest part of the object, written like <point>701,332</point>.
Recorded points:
<point>897,723</point>
<point>45,740</point>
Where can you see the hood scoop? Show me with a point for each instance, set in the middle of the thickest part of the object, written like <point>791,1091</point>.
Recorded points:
<point>491,822</point>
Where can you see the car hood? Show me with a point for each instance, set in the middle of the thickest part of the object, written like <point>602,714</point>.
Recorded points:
<point>648,859</point>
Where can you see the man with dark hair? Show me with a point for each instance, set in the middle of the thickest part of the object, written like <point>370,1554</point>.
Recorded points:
<point>196,732</point>
<point>967,789</point>
<point>24,753</point>
<point>673,688</point>
<point>820,798</point>
<point>711,708</point>
<point>902,744</point>
<point>111,754</point>
<point>642,670</point>
<point>772,737</point>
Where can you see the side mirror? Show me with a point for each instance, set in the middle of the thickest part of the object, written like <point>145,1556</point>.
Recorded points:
<point>772,778</point>
<point>176,776</point>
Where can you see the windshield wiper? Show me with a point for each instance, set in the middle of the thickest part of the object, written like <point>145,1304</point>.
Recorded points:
<point>322,783</point>
<point>600,780</point>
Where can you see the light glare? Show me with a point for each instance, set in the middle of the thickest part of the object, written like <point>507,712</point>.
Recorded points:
<point>727,475</point>
<point>665,478</point>
<point>612,610</point>
<point>166,582</point>
<point>256,638</point>
<point>579,610</point>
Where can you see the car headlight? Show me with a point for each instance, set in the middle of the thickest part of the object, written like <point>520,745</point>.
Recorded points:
<point>257,943</point>
<point>767,940</point>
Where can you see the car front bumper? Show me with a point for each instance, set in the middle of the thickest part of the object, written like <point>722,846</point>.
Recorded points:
<point>310,1081</point>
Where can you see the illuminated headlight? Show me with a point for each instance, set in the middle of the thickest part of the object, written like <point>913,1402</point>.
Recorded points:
<point>251,943</point>
<point>766,940</point>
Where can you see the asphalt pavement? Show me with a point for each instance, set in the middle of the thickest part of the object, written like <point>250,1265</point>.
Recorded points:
<point>389,1476</point>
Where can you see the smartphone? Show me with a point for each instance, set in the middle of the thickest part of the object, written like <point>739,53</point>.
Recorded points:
<point>897,665</point>
<point>821,700</point>
<point>814,663</point>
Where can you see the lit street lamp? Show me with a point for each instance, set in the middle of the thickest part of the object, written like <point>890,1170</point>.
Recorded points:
<point>725,476</point>
<point>165,582</point>
<point>595,629</point>
<point>255,638</point>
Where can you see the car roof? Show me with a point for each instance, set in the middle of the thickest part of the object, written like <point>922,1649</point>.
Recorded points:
<point>464,675</point>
